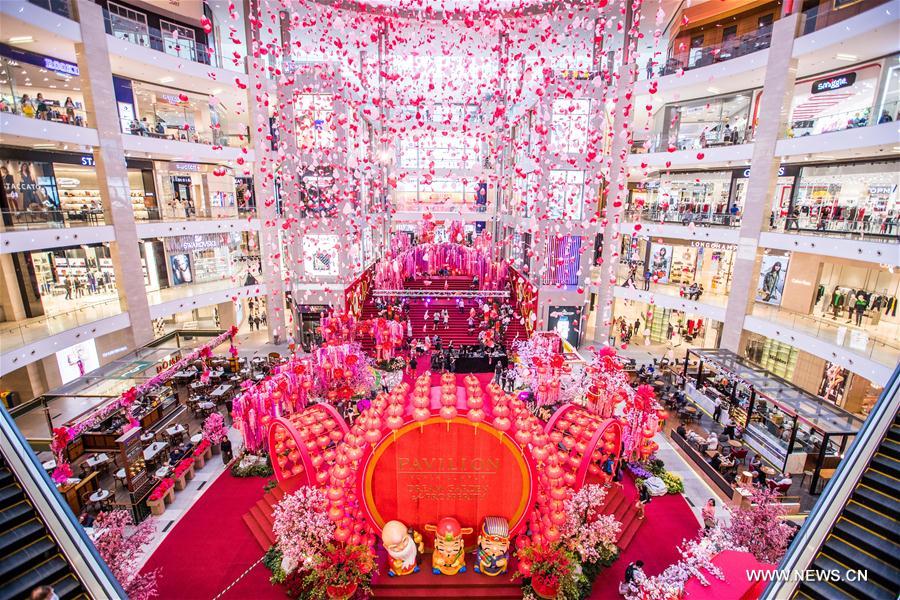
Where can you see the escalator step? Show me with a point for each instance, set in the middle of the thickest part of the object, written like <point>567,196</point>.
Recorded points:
<point>874,544</point>
<point>890,447</point>
<point>823,590</point>
<point>10,494</point>
<point>44,574</point>
<point>880,570</point>
<point>34,553</point>
<point>860,590</point>
<point>887,465</point>
<point>877,501</point>
<point>6,477</point>
<point>880,482</point>
<point>67,588</point>
<point>15,514</point>
<point>21,536</point>
<point>868,518</point>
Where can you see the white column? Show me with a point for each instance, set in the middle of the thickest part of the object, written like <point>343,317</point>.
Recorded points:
<point>112,176</point>
<point>781,73</point>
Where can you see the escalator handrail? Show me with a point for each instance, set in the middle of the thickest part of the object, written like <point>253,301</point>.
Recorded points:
<point>803,550</point>
<point>81,554</point>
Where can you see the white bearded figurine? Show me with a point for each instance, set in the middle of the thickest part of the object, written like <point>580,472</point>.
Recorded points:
<point>403,546</point>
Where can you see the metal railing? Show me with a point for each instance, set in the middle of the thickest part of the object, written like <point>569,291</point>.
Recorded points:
<point>695,58</point>
<point>441,293</point>
<point>151,37</point>
<point>17,335</point>
<point>57,516</point>
<point>803,550</point>
<point>209,137</point>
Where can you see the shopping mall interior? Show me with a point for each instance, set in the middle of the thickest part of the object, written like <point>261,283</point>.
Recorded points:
<point>634,264</point>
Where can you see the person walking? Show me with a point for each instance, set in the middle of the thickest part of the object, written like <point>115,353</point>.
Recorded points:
<point>446,316</point>
<point>647,276</point>
<point>68,285</point>
<point>709,514</point>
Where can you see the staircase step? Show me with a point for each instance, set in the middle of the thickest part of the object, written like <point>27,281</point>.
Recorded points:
<point>15,514</point>
<point>880,569</point>
<point>864,539</point>
<point>19,560</point>
<point>21,536</point>
<point>10,494</point>
<point>42,574</point>
<point>870,519</point>
<point>259,534</point>
<point>844,588</point>
<point>878,501</point>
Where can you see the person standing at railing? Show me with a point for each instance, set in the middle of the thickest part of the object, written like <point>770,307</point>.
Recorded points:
<point>69,105</point>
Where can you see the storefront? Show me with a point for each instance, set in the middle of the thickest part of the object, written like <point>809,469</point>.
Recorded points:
<point>62,190</point>
<point>678,330</point>
<point>706,123</point>
<point>193,190</point>
<point>212,257</point>
<point>859,198</point>
<point>161,112</point>
<point>39,86</point>
<point>674,262</point>
<point>781,199</point>
<point>696,197</point>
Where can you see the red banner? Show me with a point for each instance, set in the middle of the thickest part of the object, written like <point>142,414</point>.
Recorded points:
<point>439,468</point>
<point>524,298</point>
<point>356,293</point>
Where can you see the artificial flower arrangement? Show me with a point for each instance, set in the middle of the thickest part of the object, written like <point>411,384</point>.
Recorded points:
<point>183,467</point>
<point>202,447</point>
<point>341,572</point>
<point>587,532</point>
<point>214,429</point>
<point>553,572</point>
<point>162,488</point>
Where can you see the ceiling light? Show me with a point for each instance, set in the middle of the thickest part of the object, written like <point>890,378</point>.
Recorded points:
<point>846,57</point>
<point>216,91</point>
<point>167,79</point>
<point>44,146</point>
<point>21,39</point>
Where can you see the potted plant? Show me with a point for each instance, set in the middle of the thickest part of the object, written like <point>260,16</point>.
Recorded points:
<point>214,430</point>
<point>551,569</point>
<point>341,571</point>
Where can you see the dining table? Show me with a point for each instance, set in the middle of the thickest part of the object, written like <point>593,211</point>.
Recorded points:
<point>153,449</point>
<point>97,460</point>
<point>99,496</point>
<point>735,443</point>
<point>196,438</point>
<point>175,429</point>
<point>769,471</point>
<point>163,472</point>
<point>221,390</point>
<point>49,465</point>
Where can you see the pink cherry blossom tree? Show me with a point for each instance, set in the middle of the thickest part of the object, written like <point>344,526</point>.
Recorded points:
<point>760,527</point>
<point>120,543</point>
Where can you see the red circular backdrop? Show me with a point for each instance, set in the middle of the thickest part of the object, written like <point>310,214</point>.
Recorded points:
<point>442,468</point>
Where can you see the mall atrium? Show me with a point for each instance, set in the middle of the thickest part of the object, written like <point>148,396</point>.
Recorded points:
<point>555,299</point>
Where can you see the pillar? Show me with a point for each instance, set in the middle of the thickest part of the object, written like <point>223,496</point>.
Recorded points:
<point>616,192</point>
<point>263,172</point>
<point>780,77</point>
<point>112,176</point>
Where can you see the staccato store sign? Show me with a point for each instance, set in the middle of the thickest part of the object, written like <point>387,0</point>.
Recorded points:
<point>439,468</point>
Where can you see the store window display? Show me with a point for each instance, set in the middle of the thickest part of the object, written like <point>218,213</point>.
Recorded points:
<point>856,198</point>
<point>834,101</point>
<point>211,257</point>
<point>685,198</point>
<point>706,123</point>
<point>858,295</point>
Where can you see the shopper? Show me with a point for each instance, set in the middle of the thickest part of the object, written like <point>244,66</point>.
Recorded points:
<point>647,276</point>
<point>643,499</point>
<point>709,514</point>
<point>43,592</point>
<point>717,410</point>
<point>27,106</point>
<point>634,574</point>
<point>446,316</point>
<point>69,105</point>
<point>43,111</point>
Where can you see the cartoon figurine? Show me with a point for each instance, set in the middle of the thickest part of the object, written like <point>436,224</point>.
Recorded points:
<point>493,547</point>
<point>449,556</point>
<point>403,546</point>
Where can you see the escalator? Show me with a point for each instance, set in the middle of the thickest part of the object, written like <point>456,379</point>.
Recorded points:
<point>29,556</point>
<point>41,542</point>
<point>848,547</point>
<point>864,538</point>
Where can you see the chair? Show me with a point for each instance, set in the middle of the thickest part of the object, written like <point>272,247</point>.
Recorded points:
<point>782,488</point>
<point>740,454</point>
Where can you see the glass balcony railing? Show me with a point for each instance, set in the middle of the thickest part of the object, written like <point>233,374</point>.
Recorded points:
<point>17,335</point>
<point>180,46</point>
<point>840,121</point>
<point>682,217</point>
<point>694,58</point>
<point>878,343</point>
<point>706,134</point>
<point>824,14</point>
<point>882,229</point>
<point>62,8</point>
<point>51,219</point>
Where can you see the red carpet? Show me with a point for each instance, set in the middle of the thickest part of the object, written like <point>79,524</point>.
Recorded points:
<point>210,547</point>
<point>669,520</point>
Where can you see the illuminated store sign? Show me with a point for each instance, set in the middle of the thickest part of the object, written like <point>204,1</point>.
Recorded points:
<point>833,83</point>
